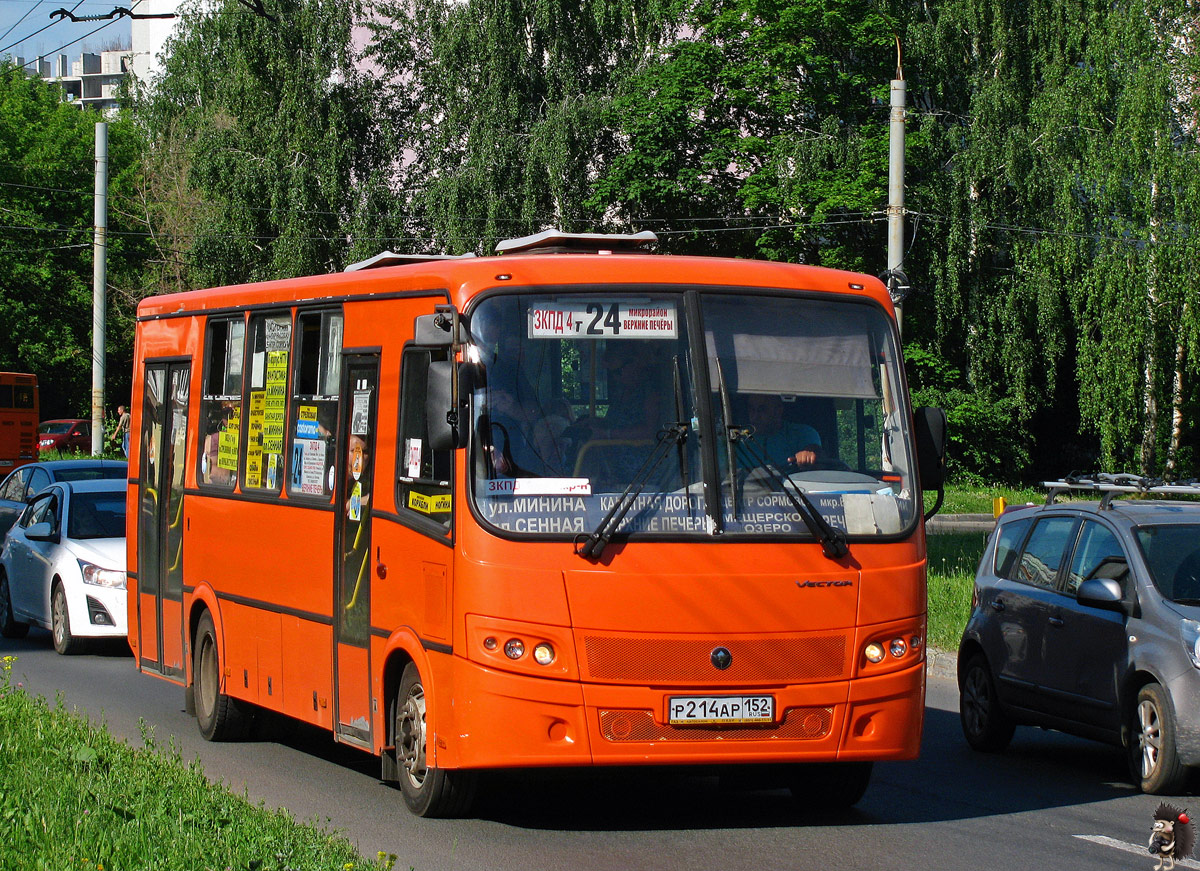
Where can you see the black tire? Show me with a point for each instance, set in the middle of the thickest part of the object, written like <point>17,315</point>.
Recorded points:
<point>830,785</point>
<point>984,724</point>
<point>9,626</point>
<point>65,642</point>
<point>219,717</point>
<point>428,791</point>
<point>1153,760</point>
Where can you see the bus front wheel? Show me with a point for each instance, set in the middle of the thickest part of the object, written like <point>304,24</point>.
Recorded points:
<point>428,791</point>
<point>220,717</point>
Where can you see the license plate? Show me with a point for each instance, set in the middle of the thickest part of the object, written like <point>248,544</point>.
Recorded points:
<point>720,709</point>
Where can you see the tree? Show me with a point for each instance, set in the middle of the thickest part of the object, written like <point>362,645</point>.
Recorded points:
<point>766,122</point>
<point>47,159</point>
<point>262,136</point>
<point>498,105</point>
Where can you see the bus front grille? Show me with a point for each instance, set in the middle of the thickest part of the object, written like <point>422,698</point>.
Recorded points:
<point>680,661</point>
<point>635,725</point>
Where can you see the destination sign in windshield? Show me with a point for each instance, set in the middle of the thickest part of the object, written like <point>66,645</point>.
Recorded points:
<point>608,319</point>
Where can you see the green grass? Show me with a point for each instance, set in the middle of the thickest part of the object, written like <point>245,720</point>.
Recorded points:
<point>73,797</point>
<point>978,500</point>
<point>953,558</point>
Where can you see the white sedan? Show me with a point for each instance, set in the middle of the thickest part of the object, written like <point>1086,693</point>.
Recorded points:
<point>63,564</point>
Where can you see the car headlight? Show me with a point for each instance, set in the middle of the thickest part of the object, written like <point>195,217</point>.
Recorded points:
<point>1189,631</point>
<point>96,576</point>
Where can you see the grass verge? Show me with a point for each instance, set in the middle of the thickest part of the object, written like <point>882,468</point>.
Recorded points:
<point>73,797</point>
<point>953,558</point>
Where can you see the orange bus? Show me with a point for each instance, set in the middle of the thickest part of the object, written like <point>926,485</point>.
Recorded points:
<point>18,420</point>
<point>574,505</point>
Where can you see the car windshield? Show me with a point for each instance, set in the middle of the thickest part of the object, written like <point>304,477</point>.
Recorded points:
<point>97,515</point>
<point>586,396</point>
<point>91,473</point>
<point>1172,553</point>
<point>55,427</point>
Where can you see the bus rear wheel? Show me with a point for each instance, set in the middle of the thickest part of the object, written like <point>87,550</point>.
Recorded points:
<point>220,717</point>
<point>428,791</point>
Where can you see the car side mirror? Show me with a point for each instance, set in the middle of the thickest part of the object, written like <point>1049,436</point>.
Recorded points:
<point>43,531</point>
<point>1103,593</point>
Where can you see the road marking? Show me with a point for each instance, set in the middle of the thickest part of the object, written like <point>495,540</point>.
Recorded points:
<point>1135,849</point>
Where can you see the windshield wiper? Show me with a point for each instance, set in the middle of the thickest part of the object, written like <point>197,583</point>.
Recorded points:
<point>833,540</point>
<point>592,546</point>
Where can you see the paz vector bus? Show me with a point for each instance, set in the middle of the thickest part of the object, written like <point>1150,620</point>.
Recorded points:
<point>573,505</point>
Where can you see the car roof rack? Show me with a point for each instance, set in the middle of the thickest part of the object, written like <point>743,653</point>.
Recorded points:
<point>557,242</point>
<point>391,258</point>
<point>1111,486</point>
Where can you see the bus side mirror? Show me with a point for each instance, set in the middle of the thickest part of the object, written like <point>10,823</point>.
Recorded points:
<point>929,430</point>
<point>439,329</point>
<point>446,408</point>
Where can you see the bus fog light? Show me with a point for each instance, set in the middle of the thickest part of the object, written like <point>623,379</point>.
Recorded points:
<point>543,653</point>
<point>490,643</point>
<point>874,652</point>
<point>514,648</point>
<point>914,642</point>
<point>898,647</point>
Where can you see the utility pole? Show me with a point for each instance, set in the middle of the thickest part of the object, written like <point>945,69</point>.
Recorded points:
<point>897,282</point>
<point>99,278</point>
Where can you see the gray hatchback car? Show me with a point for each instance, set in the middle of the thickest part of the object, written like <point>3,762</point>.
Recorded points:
<point>1086,618</point>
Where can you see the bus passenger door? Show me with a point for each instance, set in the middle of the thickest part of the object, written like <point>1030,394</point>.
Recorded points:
<point>352,559</point>
<point>163,440</point>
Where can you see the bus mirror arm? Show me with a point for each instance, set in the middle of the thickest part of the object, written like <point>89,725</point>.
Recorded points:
<point>438,330</point>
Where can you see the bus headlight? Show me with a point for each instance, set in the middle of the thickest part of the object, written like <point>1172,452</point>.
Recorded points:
<point>543,654</point>
<point>874,652</point>
<point>898,647</point>
<point>514,648</point>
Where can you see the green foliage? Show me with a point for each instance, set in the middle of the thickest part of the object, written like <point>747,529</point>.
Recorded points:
<point>953,558</point>
<point>264,152</point>
<point>74,797</point>
<point>47,155</point>
<point>988,433</point>
<point>765,115</point>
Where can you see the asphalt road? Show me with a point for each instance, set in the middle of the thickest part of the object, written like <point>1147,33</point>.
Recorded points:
<point>1050,800</point>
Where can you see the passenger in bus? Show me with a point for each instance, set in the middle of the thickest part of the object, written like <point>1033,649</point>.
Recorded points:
<point>789,444</point>
<point>525,433</point>
<point>637,407</point>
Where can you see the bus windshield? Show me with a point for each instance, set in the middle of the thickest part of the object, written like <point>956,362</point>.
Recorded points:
<point>586,396</point>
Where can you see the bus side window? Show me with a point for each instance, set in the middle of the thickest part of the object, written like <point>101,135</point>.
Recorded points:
<point>423,485</point>
<point>221,403</point>
<point>270,361</point>
<point>314,417</point>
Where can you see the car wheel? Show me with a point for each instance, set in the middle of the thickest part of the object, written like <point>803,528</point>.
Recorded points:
<point>60,623</point>
<point>985,725</point>
<point>428,791</point>
<point>220,717</point>
<point>1153,760</point>
<point>830,785</point>
<point>9,627</point>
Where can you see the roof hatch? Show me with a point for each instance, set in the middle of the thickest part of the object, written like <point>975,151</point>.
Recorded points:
<point>558,242</point>
<point>391,258</point>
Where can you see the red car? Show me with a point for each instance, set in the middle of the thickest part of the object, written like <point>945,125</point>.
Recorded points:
<point>65,435</point>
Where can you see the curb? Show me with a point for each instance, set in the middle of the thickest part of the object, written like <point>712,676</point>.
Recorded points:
<point>948,523</point>
<point>941,663</point>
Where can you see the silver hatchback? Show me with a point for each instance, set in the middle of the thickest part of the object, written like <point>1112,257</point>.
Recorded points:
<point>1085,618</point>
